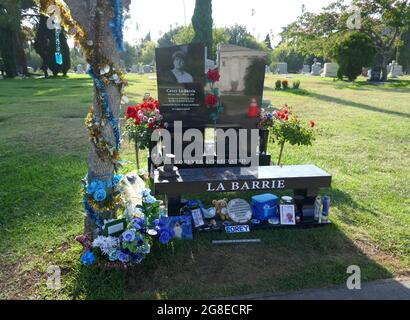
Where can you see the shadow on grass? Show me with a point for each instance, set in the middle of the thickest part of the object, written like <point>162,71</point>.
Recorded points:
<point>285,260</point>
<point>356,105</point>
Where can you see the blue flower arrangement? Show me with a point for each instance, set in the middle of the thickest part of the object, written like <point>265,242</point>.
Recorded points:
<point>88,258</point>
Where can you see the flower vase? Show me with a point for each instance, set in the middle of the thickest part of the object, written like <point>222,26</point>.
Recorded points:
<point>263,141</point>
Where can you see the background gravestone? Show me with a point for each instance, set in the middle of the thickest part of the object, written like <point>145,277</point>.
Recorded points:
<point>316,68</point>
<point>306,69</point>
<point>330,70</point>
<point>281,68</point>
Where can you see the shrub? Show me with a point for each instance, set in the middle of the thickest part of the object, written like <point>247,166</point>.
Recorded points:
<point>296,84</point>
<point>285,84</point>
<point>278,84</point>
<point>353,52</point>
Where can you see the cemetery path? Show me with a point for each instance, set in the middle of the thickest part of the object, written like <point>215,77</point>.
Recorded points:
<point>387,289</point>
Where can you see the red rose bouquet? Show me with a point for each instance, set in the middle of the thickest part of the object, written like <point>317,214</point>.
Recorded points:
<point>142,120</point>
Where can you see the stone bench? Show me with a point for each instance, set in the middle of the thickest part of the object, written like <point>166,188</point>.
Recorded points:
<point>306,180</point>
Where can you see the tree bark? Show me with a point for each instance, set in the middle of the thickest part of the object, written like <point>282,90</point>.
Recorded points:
<point>21,60</point>
<point>94,17</point>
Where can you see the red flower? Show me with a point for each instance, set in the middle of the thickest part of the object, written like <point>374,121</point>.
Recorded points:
<point>213,75</point>
<point>211,100</point>
<point>132,112</point>
<point>312,124</point>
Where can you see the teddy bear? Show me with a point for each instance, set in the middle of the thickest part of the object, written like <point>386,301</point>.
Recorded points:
<point>221,208</point>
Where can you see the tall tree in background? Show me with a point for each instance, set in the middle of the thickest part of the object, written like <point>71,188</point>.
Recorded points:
<point>202,23</point>
<point>12,38</point>
<point>45,46</point>
<point>267,41</point>
<point>404,50</point>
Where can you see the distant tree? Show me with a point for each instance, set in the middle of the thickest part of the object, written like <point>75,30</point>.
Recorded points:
<point>354,51</point>
<point>202,23</point>
<point>77,58</point>
<point>45,46</point>
<point>403,55</point>
<point>148,53</point>
<point>11,35</point>
<point>129,56</point>
<point>286,53</point>
<point>267,41</point>
<point>168,38</point>
<point>381,20</point>
<point>148,37</point>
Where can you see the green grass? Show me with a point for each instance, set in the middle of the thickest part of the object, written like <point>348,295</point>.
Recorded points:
<point>363,141</point>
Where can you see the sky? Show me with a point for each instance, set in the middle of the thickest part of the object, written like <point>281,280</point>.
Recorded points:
<point>259,16</point>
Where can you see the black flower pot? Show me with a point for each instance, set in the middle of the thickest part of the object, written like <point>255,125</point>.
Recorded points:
<point>263,141</point>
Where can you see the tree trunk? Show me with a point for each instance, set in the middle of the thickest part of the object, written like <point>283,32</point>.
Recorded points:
<point>21,60</point>
<point>94,16</point>
<point>385,61</point>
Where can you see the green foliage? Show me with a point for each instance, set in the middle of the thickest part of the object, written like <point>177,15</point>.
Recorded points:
<point>10,27</point>
<point>7,52</point>
<point>253,85</point>
<point>291,131</point>
<point>278,84</point>
<point>381,20</point>
<point>404,50</point>
<point>290,55</point>
<point>296,84</point>
<point>267,42</point>
<point>147,53</point>
<point>168,39</point>
<point>202,23</point>
<point>129,56</point>
<point>352,53</point>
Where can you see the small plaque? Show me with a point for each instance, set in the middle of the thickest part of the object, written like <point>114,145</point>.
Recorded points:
<point>237,229</point>
<point>239,211</point>
<point>114,228</point>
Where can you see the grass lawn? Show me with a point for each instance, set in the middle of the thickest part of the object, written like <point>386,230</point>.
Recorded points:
<point>363,142</point>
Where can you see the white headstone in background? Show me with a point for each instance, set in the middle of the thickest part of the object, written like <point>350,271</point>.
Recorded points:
<point>395,70</point>
<point>316,68</point>
<point>306,69</point>
<point>282,68</point>
<point>233,62</point>
<point>330,70</point>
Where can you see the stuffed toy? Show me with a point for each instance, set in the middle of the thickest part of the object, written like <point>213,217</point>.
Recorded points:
<point>221,208</point>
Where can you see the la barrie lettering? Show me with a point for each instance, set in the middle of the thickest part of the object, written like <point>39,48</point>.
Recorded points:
<point>252,185</point>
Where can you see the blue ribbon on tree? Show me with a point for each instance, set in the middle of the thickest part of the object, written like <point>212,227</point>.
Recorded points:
<point>117,24</point>
<point>91,213</point>
<point>99,84</point>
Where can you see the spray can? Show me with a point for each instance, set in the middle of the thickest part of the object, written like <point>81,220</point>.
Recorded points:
<point>325,208</point>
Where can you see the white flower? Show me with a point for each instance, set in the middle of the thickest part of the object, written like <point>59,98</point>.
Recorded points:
<point>106,244</point>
